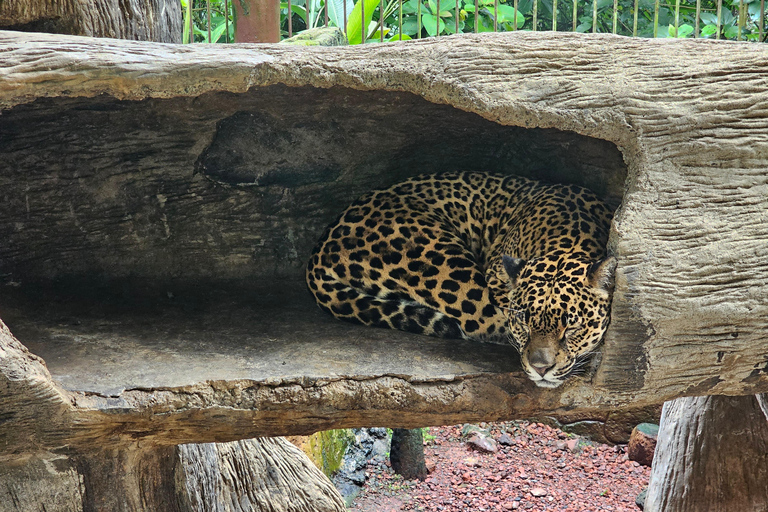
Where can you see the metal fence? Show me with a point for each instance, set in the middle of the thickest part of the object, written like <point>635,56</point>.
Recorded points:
<point>367,21</point>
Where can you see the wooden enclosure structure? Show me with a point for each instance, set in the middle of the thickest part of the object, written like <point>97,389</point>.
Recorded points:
<point>158,203</point>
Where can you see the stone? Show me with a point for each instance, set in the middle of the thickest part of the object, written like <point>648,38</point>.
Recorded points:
<point>642,443</point>
<point>320,36</point>
<point>538,492</point>
<point>484,444</point>
<point>505,439</point>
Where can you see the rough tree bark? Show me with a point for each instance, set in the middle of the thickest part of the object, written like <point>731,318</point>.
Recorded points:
<point>712,454</point>
<point>406,453</point>
<point>143,20</point>
<point>158,202</point>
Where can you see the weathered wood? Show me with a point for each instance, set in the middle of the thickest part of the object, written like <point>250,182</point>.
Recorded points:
<point>712,454</point>
<point>143,20</point>
<point>259,475</point>
<point>141,178</point>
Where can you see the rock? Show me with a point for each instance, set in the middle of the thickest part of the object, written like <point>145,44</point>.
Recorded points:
<point>321,36</point>
<point>572,445</point>
<point>538,492</point>
<point>505,439</point>
<point>468,430</point>
<point>561,445</point>
<point>642,443</point>
<point>483,443</point>
<point>640,500</point>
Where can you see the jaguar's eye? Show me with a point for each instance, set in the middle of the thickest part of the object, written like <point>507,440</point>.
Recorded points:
<point>572,329</point>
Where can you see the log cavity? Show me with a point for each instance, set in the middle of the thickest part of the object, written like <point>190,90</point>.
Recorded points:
<point>162,242</point>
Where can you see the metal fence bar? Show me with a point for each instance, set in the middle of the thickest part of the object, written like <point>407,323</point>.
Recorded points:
<point>761,23</point>
<point>677,17</point>
<point>226,21</point>
<point>634,23</point>
<point>191,26</point>
<point>514,22</point>
<point>400,18</point>
<point>477,16</point>
<point>381,20</point>
<point>742,20</point>
<point>535,14</point>
<point>418,18</point>
<point>656,19</point>
<point>437,19</point>
<point>208,8</point>
<point>575,14</point>
<point>615,14</point>
<point>698,17</point>
<point>363,28</point>
<point>495,15</point>
<point>554,15</point>
<point>290,19</point>
<point>594,16</point>
<point>345,16</point>
<point>326,13</point>
<point>457,16</point>
<point>719,17</point>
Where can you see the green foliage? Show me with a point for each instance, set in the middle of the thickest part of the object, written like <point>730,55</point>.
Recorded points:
<point>198,10</point>
<point>327,448</point>
<point>420,18</point>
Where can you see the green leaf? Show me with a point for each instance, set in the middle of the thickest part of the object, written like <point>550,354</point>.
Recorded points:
<point>336,11</point>
<point>709,30</point>
<point>731,32</point>
<point>584,27</point>
<point>354,22</point>
<point>507,14</point>
<point>709,18</point>
<point>406,37</point>
<point>683,30</point>
<point>429,22</point>
<point>410,25</point>
<point>443,13</point>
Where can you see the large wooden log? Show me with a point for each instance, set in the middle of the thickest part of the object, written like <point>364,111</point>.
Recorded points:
<point>143,20</point>
<point>712,454</point>
<point>159,202</point>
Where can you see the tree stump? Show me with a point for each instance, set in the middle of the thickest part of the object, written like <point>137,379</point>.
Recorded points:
<point>712,454</point>
<point>406,453</point>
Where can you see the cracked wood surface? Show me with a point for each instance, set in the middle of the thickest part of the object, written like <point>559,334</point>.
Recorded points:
<point>691,233</point>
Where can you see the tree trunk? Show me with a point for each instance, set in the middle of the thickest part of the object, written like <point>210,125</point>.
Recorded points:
<point>143,20</point>
<point>406,453</point>
<point>258,475</point>
<point>712,454</point>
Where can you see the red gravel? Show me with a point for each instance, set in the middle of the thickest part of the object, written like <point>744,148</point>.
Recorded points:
<point>595,477</point>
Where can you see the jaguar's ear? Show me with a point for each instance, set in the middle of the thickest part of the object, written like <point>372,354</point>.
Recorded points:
<point>600,274</point>
<point>512,266</point>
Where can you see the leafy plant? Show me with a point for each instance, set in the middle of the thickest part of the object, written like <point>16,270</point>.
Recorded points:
<point>198,11</point>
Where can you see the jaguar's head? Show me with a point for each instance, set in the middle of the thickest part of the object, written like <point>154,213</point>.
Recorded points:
<point>561,309</point>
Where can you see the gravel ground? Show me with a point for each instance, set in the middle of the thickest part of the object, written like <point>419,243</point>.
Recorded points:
<point>543,469</point>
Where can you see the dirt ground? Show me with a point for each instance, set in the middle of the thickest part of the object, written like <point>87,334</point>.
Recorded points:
<point>543,469</point>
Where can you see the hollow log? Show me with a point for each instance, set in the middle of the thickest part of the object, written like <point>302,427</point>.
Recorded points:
<point>159,203</point>
<point>712,454</point>
<point>142,20</point>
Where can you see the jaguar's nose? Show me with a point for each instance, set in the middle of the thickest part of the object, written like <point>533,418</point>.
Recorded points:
<point>542,360</point>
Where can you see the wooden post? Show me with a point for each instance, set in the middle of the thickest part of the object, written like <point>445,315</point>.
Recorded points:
<point>258,21</point>
<point>712,455</point>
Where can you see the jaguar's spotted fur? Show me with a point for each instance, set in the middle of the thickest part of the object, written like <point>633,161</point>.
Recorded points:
<point>473,255</point>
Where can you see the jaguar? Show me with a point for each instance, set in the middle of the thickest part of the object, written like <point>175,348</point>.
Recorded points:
<point>479,256</point>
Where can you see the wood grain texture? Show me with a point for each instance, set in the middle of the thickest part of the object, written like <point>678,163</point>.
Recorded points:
<point>685,144</point>
<point>142,20</point>
<point>711,454</point>
<point>278,477</point>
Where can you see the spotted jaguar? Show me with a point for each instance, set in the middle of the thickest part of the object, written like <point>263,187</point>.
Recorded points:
<point>476,256</point>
